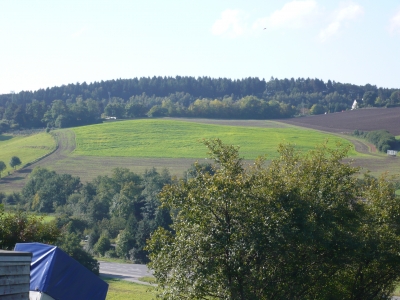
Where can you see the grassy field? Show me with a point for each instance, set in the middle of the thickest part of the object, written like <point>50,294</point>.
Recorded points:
<point>124,290</point>
<point>27,148</point>
<point>178,139</point>
<point>46,218</point>
<point>173,144</point>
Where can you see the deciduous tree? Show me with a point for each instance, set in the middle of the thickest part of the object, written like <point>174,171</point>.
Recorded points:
<point>15,161</point>
<point>302,228</point>
<point>2,167</point>
<point>70,243</point>
<point>20,227</point>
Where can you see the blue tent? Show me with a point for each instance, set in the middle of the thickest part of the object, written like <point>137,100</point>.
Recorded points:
<point>58,275</point>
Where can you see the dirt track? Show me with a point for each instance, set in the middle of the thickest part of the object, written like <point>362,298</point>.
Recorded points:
<point>66,144</point>
<point>87,168</point>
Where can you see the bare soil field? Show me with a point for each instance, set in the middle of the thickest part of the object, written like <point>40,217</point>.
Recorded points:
<point>348,121</point>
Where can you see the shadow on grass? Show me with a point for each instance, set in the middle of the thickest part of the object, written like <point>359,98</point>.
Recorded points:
<point>5,137</point>
<point>10,179</point>
<point>113,277</point>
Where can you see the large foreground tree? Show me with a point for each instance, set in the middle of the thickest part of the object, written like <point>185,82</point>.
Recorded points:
<point>303,227</point>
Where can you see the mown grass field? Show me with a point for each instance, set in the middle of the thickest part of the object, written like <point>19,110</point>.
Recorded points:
<point>27,148</point>
<point>46,218</point>
<point>124,290</point>
<point>179,139</point>
<point>173,144</point>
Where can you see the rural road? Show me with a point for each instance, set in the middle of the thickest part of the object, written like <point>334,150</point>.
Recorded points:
<point>129,272</point>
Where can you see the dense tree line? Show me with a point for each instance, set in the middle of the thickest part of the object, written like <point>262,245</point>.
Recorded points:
<point>203,87</point>
<point>123,208</point>
<point>382,139</point>
<point>81,104</point>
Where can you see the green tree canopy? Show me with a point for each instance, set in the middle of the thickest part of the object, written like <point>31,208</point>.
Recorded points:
<point>46,190</point>
<point>102,245</point>
<point>2,167</point>
<point>302,228</point>
<point>15,161</point>
<point>317,109</point>
<point>20,227</point>
<point>70,243</point>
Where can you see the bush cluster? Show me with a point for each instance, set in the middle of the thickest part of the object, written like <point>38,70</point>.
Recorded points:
<point>382,139</point>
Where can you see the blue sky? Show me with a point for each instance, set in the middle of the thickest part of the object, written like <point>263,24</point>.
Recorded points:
<point>45,43</point>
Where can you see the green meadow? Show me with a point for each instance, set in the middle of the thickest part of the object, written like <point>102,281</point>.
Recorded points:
<point>124,290</point>
<point>45,218</point>
<point>27,148</point>
<point>179,139</point>
<point>139,145</point>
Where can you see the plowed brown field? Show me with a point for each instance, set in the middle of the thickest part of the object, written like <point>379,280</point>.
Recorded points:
<point>348,121</point>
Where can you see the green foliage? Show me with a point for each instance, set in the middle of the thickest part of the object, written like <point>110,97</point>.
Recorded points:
<point>197,169</point>
<point>317,109</point>
<point>102,245</point>
<point>302,228</point>
<point>248,98</point>
<point>359,133</point>
<point>124,243</point>
<point>21,227</point>
<point>70,243</point>
<point>4,126</point>
<point>157,111</point>
<point>2,167</point>
<point>14,162</point>
<point>124,207</point>
<point>382,139</point>
<point>46,190</point>
<point>369,98</point>
<point>62,114</point>
<point>12,199</point>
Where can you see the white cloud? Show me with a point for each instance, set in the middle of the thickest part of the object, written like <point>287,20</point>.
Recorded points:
<point>294,14</point>
<point>232,23</point>
<point>394,26</point>
<point>347,12</point>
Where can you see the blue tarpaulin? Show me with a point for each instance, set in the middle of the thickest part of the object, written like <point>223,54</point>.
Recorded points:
<point>60,276</point>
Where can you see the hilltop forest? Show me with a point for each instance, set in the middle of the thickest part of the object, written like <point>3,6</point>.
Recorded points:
<point>248,98</point>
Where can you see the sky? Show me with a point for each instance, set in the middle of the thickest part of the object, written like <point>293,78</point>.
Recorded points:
<point>46,43</point>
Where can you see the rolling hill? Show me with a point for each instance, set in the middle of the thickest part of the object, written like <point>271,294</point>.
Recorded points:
<point>174,143</point>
